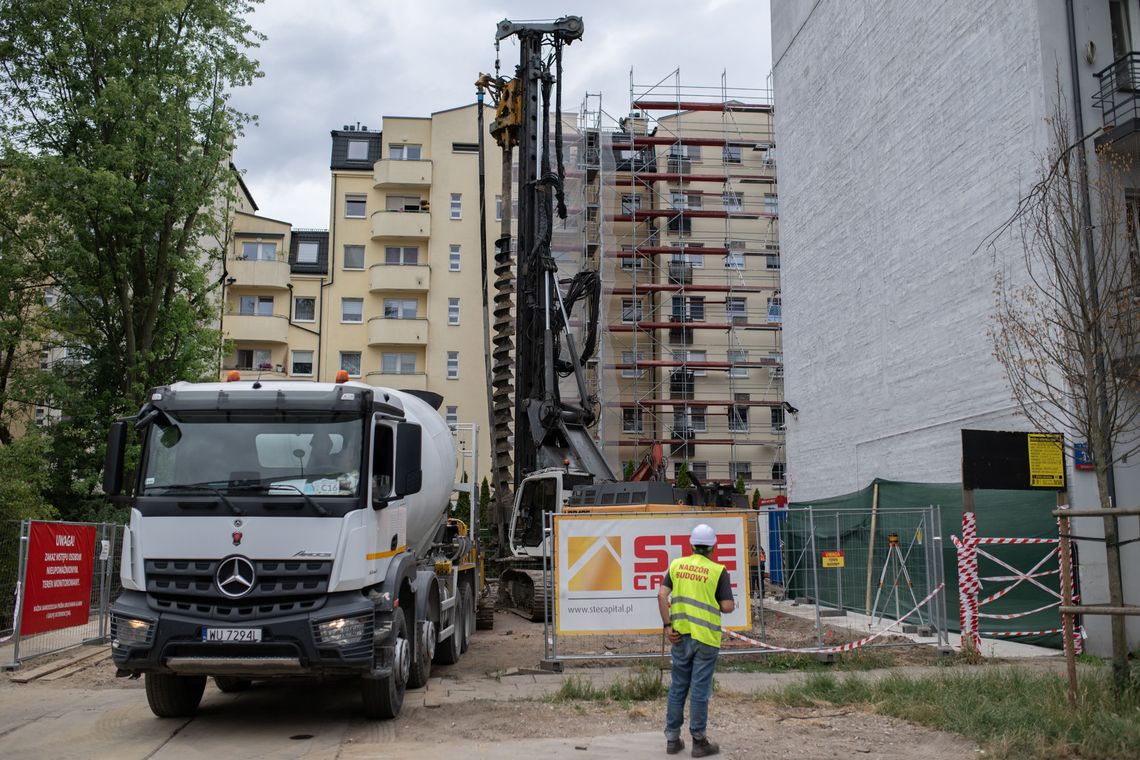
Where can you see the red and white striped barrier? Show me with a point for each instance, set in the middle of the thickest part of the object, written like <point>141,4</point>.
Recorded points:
<point>1018,541</point>
<point>841,647</point>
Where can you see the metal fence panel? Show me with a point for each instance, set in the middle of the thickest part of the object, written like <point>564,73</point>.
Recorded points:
<point>105,588</point>
<point>802,600</point>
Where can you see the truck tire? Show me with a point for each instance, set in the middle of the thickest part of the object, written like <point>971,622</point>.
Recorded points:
<point>231,684</point>
<point>171,696</point>
<point>422,654</point>
<point>468,599</point>
<point>448,651</point>
<point>383,697</point>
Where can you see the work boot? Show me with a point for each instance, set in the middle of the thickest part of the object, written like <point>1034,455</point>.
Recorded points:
<point>673,746</point>
<point>703,747</point>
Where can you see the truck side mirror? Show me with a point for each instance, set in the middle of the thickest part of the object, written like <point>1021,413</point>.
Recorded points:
<point>113,462</point>
<point>409,475</point>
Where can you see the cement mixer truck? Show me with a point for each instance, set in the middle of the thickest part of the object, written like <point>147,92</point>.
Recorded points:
<point>289,529</point>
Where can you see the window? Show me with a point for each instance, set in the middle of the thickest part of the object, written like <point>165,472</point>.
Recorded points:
<point>686,356</point>
<point>259,251</point>
<point>737,357</point>
<point>691,152</point>
<point>452,365</point>
<point>355,206</point>
<point>740,470</point>
<point>398,364</point>
<point>308,252</point>
<point>498,208</point>
<point>733,201</point>
<point>779,471</point>
<point>452,417</point>
<point>700,469</point>
<point>404,152</point>
<point>630,203</point>
<point>736,310</point>
<point>632,420</point>
<point>681,200</point>
<point>771,204</point>
<point>458,147</point>
<point>734,260</point>
<point>410,203</point>
<point>357,150</point>
<point>775,309</point>
<point>354,257</point>
<point>631,358</point>
<point>693,418</point>
<point>304,309</point>
<point>731,154</point>
<point>631,262</point>
<point>261,306</point>
<point>453,311</point>
<point>453,259</point>
<point>407,256</point>
<point>51,296</point>
<point>773,261</point>
<point>688,309</point>
<point>695,260</point>
<point>350,362</point>
<point>777,419</point>
<point>738,413</point>
<point>456,205</point>
<point>631,310</point>
<point>352,310</point>
<point>302,363</point>
<point>45,358</point>
<point>254,358</point>
<point>41,414</point>
<point>399,308</point>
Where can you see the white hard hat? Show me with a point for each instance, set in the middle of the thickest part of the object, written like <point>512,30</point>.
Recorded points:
<point>702,535</point>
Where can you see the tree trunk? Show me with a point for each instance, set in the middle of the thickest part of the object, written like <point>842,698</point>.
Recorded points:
<point>1115,585</point>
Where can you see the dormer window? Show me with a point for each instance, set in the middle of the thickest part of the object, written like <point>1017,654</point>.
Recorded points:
<point>357,150</point>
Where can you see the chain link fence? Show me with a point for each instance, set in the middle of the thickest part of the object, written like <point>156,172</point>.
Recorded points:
<point>823,581</point>
<point>16,648</point>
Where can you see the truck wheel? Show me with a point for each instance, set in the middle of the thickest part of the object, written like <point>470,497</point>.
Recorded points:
<point>468,601</point>
<point>448,651</point>
<point>231,685</point>
<point>422,654</point>
<point>171,696</point>
<point>383,697</point>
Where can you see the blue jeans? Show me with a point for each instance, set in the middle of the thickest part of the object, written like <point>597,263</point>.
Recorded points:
<point>693,667</point>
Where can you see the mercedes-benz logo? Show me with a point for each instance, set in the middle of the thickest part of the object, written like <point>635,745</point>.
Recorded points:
<point>235,577</point>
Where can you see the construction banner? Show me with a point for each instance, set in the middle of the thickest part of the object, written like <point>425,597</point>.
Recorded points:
<point>608,568</point>
<point>57,585</point>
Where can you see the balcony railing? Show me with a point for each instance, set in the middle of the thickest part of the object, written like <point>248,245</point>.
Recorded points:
<point>258,273</point>
<point>267,328</point>
<point>415,277</point>
<point>401,224</point>
<point>406,381</point>
<point>397,332</point>
<point>390,173</point>
<point>1118,97</point>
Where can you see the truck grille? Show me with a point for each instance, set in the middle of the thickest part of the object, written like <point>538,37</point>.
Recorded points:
<point>281,587</point>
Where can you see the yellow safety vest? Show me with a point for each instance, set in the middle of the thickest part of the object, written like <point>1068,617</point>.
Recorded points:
<point>694,609</point>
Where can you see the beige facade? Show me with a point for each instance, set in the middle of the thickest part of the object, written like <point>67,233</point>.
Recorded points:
<point>689,252</point>
<point>391,292</point>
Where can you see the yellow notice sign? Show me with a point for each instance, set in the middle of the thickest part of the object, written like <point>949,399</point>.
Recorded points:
<point>1046,460</point>
<point>833,559</point>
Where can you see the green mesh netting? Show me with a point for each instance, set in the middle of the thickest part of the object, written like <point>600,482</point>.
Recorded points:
<point>844,523</point>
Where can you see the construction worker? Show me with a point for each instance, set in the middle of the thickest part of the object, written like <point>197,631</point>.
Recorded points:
<point>693,594</point>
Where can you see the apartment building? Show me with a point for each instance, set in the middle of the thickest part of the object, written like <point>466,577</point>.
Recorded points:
<point>682,217</point>
<point>901,155</point>
<point>391,291</point>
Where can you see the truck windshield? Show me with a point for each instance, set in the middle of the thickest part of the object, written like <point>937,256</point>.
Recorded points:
<point>282,453</point>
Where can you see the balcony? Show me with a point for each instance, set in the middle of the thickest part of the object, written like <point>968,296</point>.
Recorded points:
<point>397,332</point>
<point>1119,102</point>
<point>399,277</point>
<point>259,273</point>
<point>268,328</point>
<point>409,225</point>
<point>403,381</point>
<point>389,173</point>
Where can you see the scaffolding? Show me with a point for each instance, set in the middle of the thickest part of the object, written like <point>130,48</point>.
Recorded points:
<point>684,231</point>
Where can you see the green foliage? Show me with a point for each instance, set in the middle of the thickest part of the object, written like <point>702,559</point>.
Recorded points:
<point>25,478</point>
<point>756,499</point>
<point>739,485</point>
<point>463,503</point>
<point>683,480</point>
<point>627,470</point>
<point>117,129</point>
<point>640,685</point>
<point>485,507</point>
<point>1012,712</point>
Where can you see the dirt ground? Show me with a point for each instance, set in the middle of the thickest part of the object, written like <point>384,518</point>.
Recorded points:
<point>744,726</point>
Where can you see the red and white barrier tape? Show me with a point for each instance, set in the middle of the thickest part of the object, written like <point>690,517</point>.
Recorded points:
<point>842,647</point>
<point>1015,615</point>
<point>1018,541</point>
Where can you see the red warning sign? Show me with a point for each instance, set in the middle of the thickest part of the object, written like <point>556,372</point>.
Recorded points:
<point>57,585</point>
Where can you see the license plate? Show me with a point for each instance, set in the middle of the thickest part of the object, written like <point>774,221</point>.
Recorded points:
<point>231,634</point>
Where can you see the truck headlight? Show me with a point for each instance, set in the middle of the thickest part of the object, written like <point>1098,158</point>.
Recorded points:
<point>344,631</point>
<point>128,631</point>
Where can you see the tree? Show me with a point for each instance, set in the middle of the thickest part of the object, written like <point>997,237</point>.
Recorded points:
<point>463,503</point>
<point>739,485</point>
<point>1067,323</point>
<point>485,507</point>
<point>116,117</point>
<point>683,480</point>
<point>756,498</point>
<point>627,470</point>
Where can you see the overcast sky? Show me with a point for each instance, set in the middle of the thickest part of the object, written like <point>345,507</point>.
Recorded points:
<point>346,61</point>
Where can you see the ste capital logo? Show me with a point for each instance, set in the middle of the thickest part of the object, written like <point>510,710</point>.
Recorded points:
<point>594,563</point>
